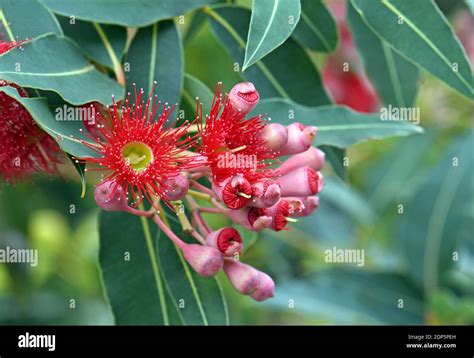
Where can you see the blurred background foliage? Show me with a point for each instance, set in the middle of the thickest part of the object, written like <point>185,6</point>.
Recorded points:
<point>437,219</point>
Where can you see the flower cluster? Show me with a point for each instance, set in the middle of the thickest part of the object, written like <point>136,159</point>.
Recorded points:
<point>228,158</point>
<point>25,149</point>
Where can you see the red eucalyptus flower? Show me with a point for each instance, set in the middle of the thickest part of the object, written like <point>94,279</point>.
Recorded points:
<point>138,149</point>
<point>228,136</point>
<point>24,148</point>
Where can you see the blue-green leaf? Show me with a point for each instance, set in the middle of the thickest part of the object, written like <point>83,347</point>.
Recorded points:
<point>272,22</point>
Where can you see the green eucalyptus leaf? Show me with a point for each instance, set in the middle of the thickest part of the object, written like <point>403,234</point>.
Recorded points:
<point>194,88</point>
<point>437,219</point>
<point>395,78</point>
<point>200,301</point>
<point>362,302</point>
<point>26,19</point>
<point>337,126</point>
<point>147,279</point>
<point>156,54</point>
<point>271,23</point>
<point>104,44</point>
<point>270,75</point>
<point>54,63</point>
<point>317,29</point>
<point>126,12</point>
<point>420,32</point>
<point>68,134</point>
<point>128,261</point>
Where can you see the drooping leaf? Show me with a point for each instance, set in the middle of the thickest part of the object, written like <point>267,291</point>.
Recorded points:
<point>317,28</point>
<point>438,218</point>
<point>68,134</point>
<point>270,75</point>
<point>156,54</point>
<point>127,12</point>
<point>420,32</point>
<point>54,63</point>
<point>271,23</point>
<point>337,126</point>
<point>204,303</point>
<point>352,296</point>
<point>81,171</point>
<point>104,44</point>
<point>26,19</point>
<point>395,78</point>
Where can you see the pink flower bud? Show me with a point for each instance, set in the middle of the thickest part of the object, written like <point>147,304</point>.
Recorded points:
<point>275,136</point>
<point>313,158</point>
<point>265,193</point>
<point>302,181</point>
<point>176,187</point>
<point>235,192</point>
<point>281,214</point>
<point>244,278</point>
<point>266,288</point>
<point>251,218</point>
<point>244,97</point>
<point>300,139</point>
<point>110,196</point>
<point>226,240</point>
<point>205,260</point>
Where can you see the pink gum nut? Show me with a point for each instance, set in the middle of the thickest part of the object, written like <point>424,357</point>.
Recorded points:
<point>265,194</point>
<point>251,218</point>
<point>275,136</point>
<point>266,288</point>
<point>244,278</point>
<point>303,181</point>
<point>313,158</point>
<point>226,240</point>
<point>300,139</point>
<point>243,97</point>
<point>175,188</point>
<point>310,204</point>
<point>235,192</point>
<point>110,196</point>
<point>205,260</point>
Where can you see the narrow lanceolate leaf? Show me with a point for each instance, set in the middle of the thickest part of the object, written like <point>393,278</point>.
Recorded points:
<point>81,171</point>
<point>363,302</point>
<point>156,54</point>
<point>420,32</point>
<point>271,74</point>
<point>68,133</point>
<point>130,272</point>
<point>437,221</point>
<point>317,29</point>
<point>104,44</point>
<point>26,19</point>
<point>337,126</point>
<point>146,278</point>
<point>54,63</point>
<point>137,13</point>
<point>395,78</point>
<point>199,300</point>
<point>272,22</point>
<point>194,88</point>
